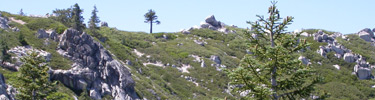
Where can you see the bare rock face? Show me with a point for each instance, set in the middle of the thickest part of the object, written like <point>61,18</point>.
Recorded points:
<point>4,23</point>
<point>366,34</point>
<point>93,68</point>
<point>7,92</point>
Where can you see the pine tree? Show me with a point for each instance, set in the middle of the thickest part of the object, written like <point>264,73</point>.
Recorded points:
<point>33,79</point>
<point>94,20</point>
<point>77,18</point>
<point>21,13</point>
<point>64,16</point>
<point>271,71</point>
<point>151,18</point>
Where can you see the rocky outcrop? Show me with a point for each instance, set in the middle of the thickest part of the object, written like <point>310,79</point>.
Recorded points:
<point>93,68</point>
<point>7,92</point>
<point>367,35</point>
<point>4,23</point>
<point>362,68</point>
<point>210,23</point>
<point>217,62</point>
<point>21,51</point>
<point>51,34</point>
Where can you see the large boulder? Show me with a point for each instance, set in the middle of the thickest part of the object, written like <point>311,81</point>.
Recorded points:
<point>362,72</point>
<point>211,20</point>
<point>304,60</point>
<point>215,59</point>
<point>366,34</point>
<point>349,57</point>
<point>42,34</point>
<point>93,68</point>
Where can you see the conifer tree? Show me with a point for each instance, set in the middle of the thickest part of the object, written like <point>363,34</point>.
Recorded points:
<point>77,18</point>
<point>94,20</point>
<point>33,79</point>
<point>272,71</point>
<point>21,12</point>
<point>64,16</point>
<point>151,18</point>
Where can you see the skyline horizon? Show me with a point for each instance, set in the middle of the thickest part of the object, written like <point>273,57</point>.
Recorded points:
<point>184,15</point>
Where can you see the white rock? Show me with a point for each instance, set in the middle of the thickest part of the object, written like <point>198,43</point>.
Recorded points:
<point>337,66</point>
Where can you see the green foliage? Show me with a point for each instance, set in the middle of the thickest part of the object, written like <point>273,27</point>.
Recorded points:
<point>208,33</point>
<point>151,18</point>
<point>94,20</point>
<point>43,23</point>
<point>63,15</point>
<point>5,57</point>
<point>22,40</point>
<point>84,95</point>
<point>34,78</point>
<point>59,96</point>
<point>77,18</point>
<point>272,71</point>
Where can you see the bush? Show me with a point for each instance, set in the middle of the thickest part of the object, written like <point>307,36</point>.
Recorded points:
<point>43,23</point>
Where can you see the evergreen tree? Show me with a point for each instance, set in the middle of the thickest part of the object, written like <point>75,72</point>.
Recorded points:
<point>77,18</point>
<point>151,18</point>
<point>64,16</point>
<point>94,20</point>
<point>33,79</point>
<point>21,12</point>
<point>272,71</point>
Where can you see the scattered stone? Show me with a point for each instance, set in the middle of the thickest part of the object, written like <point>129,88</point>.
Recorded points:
<point>21,51</point>
<point>337,67</point>
<point>304,60</point>
<point>215,59</point>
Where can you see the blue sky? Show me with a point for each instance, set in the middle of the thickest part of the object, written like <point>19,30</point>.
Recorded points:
<point>345,16</point>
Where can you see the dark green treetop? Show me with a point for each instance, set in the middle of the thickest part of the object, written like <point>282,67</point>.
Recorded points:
<point>151,18</point>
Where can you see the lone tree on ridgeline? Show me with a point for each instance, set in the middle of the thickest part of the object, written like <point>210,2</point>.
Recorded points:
<point>272,71</point>
<point>151,18</point>
<point>77,18</point>
<point>94,20</point>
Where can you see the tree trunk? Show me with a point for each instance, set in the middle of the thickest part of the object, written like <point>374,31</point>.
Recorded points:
<point>150,26</point>
<point>33,92</point>
<point>273,73</point>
